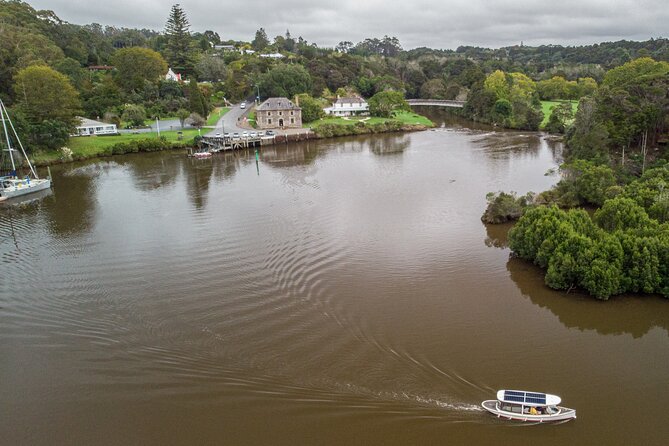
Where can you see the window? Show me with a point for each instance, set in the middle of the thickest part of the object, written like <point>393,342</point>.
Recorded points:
<point>280,113</point>
<point>269,120</point>
<point>291,113</point>
<point>292,120</point>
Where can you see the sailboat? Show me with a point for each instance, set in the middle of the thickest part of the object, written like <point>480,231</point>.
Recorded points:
<point>12,185</point>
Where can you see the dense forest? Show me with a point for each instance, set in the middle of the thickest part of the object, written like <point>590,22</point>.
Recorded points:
<point>116,74</point>
<point>616,157</point>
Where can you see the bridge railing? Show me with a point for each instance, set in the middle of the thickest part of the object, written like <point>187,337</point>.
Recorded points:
<point>436,102</point>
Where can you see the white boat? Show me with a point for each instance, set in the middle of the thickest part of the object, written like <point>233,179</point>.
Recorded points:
<point>201,155</point>
<point>12,185</point>
<point>533,407</point>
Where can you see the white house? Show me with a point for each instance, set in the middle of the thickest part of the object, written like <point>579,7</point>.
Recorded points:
<point>89,127</point>
<point>225,48</point>
<point>172,76</point>
<point>348,107</point>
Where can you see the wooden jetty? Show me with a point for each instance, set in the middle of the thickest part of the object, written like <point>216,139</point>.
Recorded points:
<point>215,144</point>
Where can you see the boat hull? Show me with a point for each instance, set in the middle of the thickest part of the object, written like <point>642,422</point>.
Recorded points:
<point>25,188</point>
<point>564,414</point>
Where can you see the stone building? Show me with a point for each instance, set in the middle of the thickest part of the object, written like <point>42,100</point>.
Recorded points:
<point>276,113</point>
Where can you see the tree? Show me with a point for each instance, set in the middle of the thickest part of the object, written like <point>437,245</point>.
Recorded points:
<point>586,86</point>
<point>588,137</point>
<point>503,207</point>
<point>433,89</point>
<point>561,115</point>
<point>179,48</point>
<point>137,65</point>
<point>498,84</point>
<point>385,103</point>
<point>502,111</point>
<point>344,46</point>
<point>590,181</point>
<point>135,115</point>
<point>311,108</point>
<point>72,69</point>
<point>555,88</point>
<point>261,41</point>
<point>621,214</point>
<point>182,114</point>
<point>45,94</point>
<point>522,88</point>
<point>196,100</point>
<point>285,80</point>
<point>103,97</point>
<point>211,68</point>
<point>212,37</point>
<point>196,120</point>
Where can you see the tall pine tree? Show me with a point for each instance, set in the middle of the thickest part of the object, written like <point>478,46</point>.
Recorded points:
<point>179,50</point>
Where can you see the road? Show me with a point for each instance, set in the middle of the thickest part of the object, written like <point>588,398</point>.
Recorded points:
<point>232,121</point>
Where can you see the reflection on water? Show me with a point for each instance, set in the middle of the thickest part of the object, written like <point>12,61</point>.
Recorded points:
<point>497,235</point>
<point>388,144</point>
<point>623,314</point>
<point>331,294</point>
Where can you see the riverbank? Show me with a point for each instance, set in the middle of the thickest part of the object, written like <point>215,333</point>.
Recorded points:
<point>82,148</point>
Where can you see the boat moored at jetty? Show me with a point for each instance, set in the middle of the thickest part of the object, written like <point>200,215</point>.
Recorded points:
<point>528,406</point>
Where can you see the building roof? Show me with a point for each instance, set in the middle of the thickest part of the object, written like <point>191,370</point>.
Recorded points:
<point>351,100</point>
<point>85,122</point>
<point>278,104</point>
<point>273,55</point>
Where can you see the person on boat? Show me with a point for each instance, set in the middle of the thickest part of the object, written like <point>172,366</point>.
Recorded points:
<point>533,411</point>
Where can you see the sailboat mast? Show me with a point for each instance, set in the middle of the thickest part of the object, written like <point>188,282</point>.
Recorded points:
<point>5,116</point>
<point>25,155</point>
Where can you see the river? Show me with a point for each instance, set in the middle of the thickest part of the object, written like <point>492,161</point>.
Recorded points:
<point>338,292</point>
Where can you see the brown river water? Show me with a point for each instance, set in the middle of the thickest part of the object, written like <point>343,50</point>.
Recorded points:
<point>339,292</point>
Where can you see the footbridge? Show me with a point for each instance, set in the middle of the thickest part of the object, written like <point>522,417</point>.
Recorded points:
<point>436,103</point>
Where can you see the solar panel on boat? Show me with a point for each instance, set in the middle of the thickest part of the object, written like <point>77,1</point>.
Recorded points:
<point>524,397</point>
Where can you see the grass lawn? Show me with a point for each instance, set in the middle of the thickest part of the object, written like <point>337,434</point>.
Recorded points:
<point>413,118</point>
<point>215,115</point>
<point>403,117</point>
<point>91,146</point>
<point>252,119</point>
<point>547,106</point>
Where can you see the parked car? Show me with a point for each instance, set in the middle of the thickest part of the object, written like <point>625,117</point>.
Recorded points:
<point>218,135</point>
<point>235,135</point>
<point>252,134</point>
<point>226,135</point>
<point>245,134</point>
<point>242,105</point>
<point>270,133</point>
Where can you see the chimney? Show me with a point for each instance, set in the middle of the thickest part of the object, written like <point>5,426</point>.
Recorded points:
<point>297,100</point>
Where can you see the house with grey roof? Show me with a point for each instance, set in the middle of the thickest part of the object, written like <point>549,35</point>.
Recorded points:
<point>348,107</point>
<point>90,127</point>
<point>277,113</point>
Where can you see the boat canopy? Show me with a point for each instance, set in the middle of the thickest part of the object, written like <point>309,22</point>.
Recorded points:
<point>528,398</point>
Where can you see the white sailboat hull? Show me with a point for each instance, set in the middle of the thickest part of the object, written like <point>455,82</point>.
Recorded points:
<point>24,187</point>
